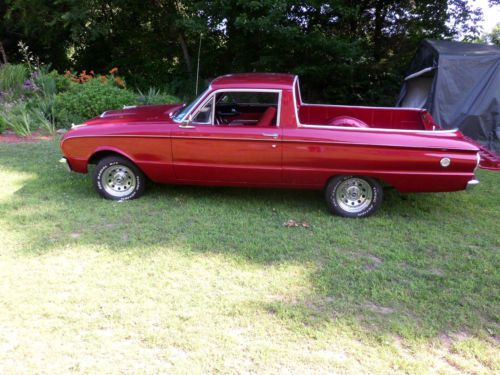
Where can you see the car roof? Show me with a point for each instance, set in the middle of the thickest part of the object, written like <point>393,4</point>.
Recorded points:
<point>254,81</point>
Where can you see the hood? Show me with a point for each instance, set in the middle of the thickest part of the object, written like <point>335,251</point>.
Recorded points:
<point>145,113</point>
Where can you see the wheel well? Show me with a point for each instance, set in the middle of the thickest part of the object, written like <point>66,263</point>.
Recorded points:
<point>380,181</point>
<point>95,158</point>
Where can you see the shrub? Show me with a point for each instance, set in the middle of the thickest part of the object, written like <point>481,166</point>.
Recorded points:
<point>24,117</point>
<point>44,98</point>
<point>44,82</point>
<point>63,83</point>
<point>154,96</point>
<point>84,101</point>
<point>20,119</point>
<point>3,124</point>
<point>12,79</point>
<point>43,108</point>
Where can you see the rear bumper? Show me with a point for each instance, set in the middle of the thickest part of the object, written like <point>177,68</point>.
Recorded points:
<point>64,162</point>
<point>472,184</point>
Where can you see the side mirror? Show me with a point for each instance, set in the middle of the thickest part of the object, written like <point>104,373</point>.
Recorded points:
<point>186,123</point>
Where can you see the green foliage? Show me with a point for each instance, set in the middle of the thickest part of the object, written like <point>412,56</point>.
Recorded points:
<point>47,99</point>
<point>12,77</point>
<point>345,51</point>
<point>156,96</point>
<point>44,108</point>
<point>492,37</point>
<point>62,82</point>
<point>20,119</point>
<point>3,124</point>
<point>45,82</point>
<point>84,101</point>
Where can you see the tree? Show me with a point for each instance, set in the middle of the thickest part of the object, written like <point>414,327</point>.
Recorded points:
<point>493,37</point>
<point>346,51</point>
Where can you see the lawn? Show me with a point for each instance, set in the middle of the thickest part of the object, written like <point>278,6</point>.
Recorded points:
<point>195,280</point>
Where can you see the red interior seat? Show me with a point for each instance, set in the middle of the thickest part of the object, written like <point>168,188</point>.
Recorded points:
<point>267,118</point>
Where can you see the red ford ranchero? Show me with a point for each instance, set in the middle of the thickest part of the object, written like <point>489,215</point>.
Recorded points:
<point>254,130</point>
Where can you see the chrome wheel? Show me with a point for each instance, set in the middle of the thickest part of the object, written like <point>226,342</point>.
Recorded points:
<point>354,195</point>
<point>118,180</point>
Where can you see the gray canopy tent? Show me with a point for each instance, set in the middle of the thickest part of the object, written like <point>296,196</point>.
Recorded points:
<point>459,84</point>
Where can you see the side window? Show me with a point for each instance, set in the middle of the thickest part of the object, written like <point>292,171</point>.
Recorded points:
<point>255,98</point>
<point>247,108</point>
<point>225,98</point>
<point>204,116</point>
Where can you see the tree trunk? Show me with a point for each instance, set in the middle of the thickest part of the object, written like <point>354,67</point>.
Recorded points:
<point>380,14</point>
<point>2,53</point>
<point>185,53</point>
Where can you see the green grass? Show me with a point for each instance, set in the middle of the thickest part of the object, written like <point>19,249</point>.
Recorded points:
<point>197,280</point>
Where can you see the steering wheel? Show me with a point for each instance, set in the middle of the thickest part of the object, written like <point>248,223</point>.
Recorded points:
<point>219,119</point>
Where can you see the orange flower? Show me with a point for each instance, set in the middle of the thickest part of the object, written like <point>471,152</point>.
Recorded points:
<point>120,82</point>
<point>84,77</point>
<point>114,70</point>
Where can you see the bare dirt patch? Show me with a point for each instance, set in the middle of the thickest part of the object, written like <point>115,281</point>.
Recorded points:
<point>11,137</point>
<point>383,310</point>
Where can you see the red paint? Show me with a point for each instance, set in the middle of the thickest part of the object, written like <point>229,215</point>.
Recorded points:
<point>398,147</point>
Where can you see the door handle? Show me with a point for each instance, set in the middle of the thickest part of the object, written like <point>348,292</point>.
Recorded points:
<point>274,135</point>
<point>187,126</point>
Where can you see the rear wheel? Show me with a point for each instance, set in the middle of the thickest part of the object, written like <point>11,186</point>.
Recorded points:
<point>118,179</point>
<point>353,196</point>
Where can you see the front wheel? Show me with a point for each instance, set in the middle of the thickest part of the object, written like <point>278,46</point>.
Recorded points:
<point>118,179</point>
<point>353,196</point>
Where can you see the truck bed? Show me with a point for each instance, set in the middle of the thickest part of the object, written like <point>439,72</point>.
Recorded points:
<point>366,117</point>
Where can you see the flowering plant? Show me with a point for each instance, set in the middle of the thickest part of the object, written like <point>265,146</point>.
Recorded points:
<point>84,77</point>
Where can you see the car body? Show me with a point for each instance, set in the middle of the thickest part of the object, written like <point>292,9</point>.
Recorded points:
<point>254,130</point>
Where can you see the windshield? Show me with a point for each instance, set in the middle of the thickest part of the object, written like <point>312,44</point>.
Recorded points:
<point>180,116</point>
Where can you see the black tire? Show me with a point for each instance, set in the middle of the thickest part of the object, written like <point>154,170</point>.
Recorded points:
<point>353,196</point>
<point>118,179</point>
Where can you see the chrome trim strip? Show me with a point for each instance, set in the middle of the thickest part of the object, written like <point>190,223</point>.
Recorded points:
<point>296,81</point>
<point>443,131</point>
<point>214,93</point>
<point>212,115</point>
<point>274,135</point>
<point>174,137</point>
<point>201,97</point>
<point>264,139</point>
<point>300,125</point>
<point>224,138</point>
<point>478,161</point>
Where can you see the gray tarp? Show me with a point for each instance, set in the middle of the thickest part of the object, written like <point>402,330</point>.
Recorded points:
<point>459,84</point>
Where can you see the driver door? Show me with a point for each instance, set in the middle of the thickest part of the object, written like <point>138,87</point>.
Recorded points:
<point>207,151</point>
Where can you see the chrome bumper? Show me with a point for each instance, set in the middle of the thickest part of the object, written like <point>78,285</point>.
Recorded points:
<point>64,161</point>
<point>472,184</point>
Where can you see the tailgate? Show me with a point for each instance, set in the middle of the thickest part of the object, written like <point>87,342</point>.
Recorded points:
<point>489,160</point>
